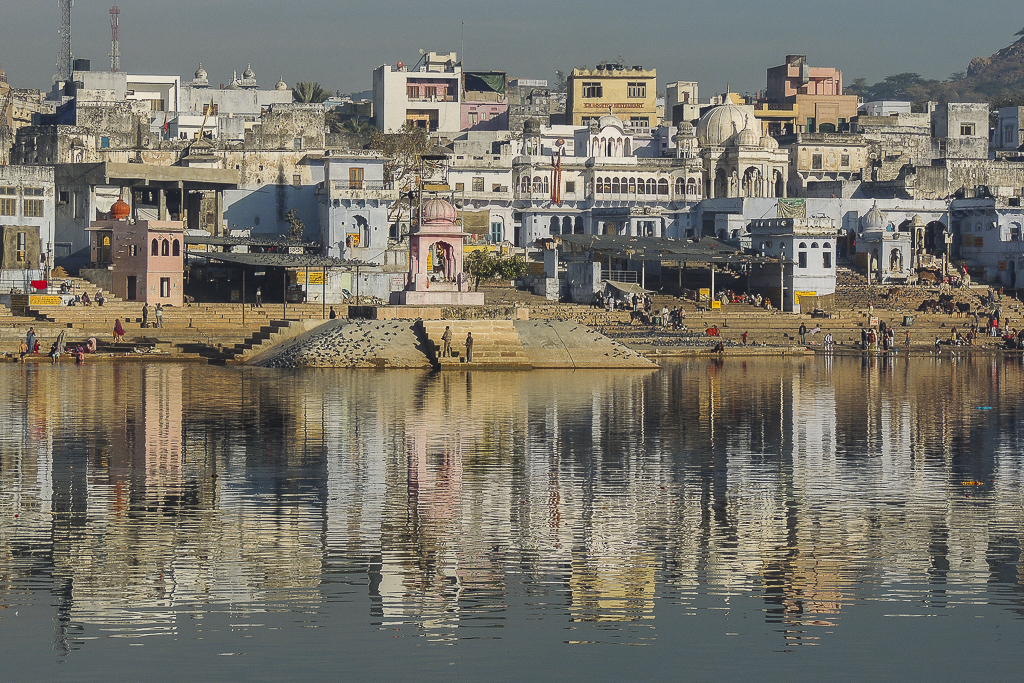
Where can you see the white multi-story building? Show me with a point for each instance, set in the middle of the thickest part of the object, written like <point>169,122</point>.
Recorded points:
<point>426,96</point>
<point>355,201</point>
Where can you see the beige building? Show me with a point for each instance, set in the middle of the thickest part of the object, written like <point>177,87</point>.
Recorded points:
<point>628,93</point>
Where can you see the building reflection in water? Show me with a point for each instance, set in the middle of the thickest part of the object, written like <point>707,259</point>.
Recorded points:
<point>605,498</point>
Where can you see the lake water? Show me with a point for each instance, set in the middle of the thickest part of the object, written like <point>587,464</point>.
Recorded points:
<point>758,519</point>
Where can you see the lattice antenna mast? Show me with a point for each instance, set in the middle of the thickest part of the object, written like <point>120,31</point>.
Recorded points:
<point>64,58</point>
<point>115,39</point>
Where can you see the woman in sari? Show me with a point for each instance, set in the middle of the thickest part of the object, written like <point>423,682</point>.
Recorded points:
<point>118,331</point>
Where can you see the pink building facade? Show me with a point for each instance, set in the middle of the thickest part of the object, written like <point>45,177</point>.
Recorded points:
<point>797,77</point>
<point>146,259</point>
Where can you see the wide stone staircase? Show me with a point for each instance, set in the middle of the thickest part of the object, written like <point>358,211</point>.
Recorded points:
<point>215,331</point>
<point>495,343</point>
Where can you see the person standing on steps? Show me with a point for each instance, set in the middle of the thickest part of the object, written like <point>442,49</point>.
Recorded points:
<point>145,315</point>
<point>259,297</point>
<point>333,314</point>
<point>803,333</point>
<point>469,347</point>
<point>159,316</point>
<point>446,342</point>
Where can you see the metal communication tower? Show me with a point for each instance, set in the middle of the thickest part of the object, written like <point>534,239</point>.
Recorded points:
<point>115,39</point>
<point>64,58</point>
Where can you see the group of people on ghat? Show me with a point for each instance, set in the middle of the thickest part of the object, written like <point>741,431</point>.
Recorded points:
<point>59,347</point>
<point>881,340</point>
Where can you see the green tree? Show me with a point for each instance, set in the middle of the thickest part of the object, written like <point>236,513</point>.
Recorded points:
<point>511,267</point>
<point>480,264</point>
<point>309,92</point>
<point>296,228</point>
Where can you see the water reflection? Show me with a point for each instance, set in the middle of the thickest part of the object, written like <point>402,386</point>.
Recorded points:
<point>144,497</point>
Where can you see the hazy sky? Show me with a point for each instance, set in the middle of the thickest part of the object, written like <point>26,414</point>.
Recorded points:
<point>338,43</point>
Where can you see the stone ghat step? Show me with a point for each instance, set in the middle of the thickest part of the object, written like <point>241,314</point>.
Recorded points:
<point>494,341</point>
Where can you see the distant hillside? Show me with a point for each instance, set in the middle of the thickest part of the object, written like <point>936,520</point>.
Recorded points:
<point>998,79</point>
<point>998,76</point>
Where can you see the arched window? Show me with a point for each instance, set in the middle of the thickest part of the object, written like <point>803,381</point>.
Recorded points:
<point>680,186</point>
<point>691,187</point>
<point>607,185</point>
<point>165,248</point>
<point>632,185</point>
<point>155,248</point>
<point>640,186</point>
<point>598,187</point>
<point>547,187</point>
<point>626,150</point>
<point>663,186</point>
<point>814,245</point>
<point>525,184</point>
<point>566,226</point>
<point>554,225</point>
<point>176,248</point>
<point>803,245</point>
<point>615,185</point>
<point>538,184</point>
<point>826,246</point>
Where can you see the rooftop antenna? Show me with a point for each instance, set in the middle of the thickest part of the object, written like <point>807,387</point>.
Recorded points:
<point>115,39</point>
<point>64,57</point>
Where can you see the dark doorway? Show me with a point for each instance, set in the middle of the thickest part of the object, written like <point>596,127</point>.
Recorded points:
<point>132,287</point>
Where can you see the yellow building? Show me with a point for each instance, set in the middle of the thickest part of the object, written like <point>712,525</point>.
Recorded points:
<point>631,94</point>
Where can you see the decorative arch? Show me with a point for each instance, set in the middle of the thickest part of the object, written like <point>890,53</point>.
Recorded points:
<point>578,225</point>
<point>538,184</point>
<point>663,187</point>
<point>155,248</point>
<point>615,185</point>
<point>680,186</point>
<point>652,186</point>
<point>632,185</point>
<point>566,226</point>
<point>554,226</point>
<point>176,248</point>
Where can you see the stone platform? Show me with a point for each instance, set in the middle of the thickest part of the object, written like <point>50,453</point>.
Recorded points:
<point>498,345</point>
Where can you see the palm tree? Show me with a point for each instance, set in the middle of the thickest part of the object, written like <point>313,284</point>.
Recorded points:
<point>309,92</point>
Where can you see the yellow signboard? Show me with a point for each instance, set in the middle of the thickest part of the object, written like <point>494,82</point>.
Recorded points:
<point>704,294</point>
<point>352,239</point>
<point>716,304</point>
<point>316,277</point>
<point>44,300</point>
<point>797,295</point>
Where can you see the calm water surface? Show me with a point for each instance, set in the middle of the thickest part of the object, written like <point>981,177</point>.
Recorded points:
<point>766,519</point>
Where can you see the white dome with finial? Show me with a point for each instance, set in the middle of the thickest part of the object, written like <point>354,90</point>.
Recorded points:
<point>201,72</point>
<point>248,74</point>
<point>748,138</point>
<point>722,125</point>
<point>281,85</point>
<point>873,219</point>
<point>768,142</point>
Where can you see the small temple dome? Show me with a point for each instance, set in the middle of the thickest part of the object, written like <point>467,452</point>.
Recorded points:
<point>438,213</point>
<point>747,138</point>
<point>873,219</point>
<point>120,210</point>
<point>721,126</point>
<point>248,74</point>
<point>609,120</point>
<point>281,85</point>
<point>201,74</point>
<point>768,142</point>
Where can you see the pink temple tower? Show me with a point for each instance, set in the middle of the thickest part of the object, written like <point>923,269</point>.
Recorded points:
<point>437,242</point>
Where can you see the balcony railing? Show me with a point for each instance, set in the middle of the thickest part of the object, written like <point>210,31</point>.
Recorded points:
<point>363,185</point>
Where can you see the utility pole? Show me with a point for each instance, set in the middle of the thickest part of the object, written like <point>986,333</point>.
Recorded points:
<point>115,39</point>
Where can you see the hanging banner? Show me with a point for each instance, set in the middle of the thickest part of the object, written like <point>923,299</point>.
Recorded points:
<point>792,208</point>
